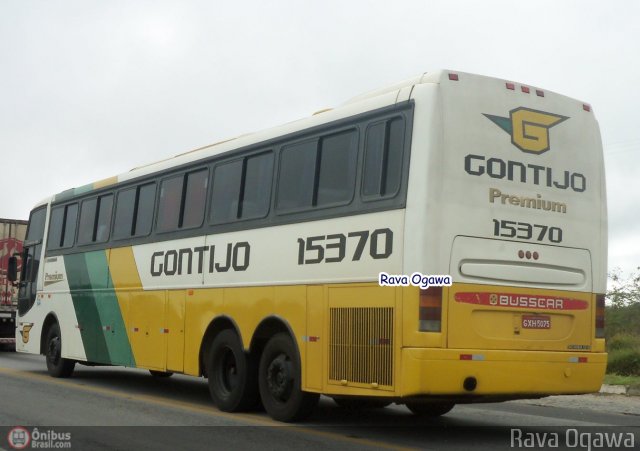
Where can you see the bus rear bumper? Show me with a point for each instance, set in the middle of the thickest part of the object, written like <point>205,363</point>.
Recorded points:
<point>508,374</point>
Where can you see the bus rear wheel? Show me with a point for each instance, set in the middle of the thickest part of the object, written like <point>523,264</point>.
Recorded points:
<point>433,409</point>
<point>56,365</point>
<point>279,379</point>
<point>232,374</point>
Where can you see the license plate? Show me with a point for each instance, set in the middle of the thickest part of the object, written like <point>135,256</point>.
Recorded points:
<point>536,322</point>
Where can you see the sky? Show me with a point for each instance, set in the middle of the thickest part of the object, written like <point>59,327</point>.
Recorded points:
<point>91,89</point>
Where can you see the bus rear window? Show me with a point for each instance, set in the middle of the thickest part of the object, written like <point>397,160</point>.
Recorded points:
<point>384,143</point>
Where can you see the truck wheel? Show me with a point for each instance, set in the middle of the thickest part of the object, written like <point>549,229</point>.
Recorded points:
<point>232,374</point>
<point>56,365</point>
<point>434,409</point>
<point>279,379</point>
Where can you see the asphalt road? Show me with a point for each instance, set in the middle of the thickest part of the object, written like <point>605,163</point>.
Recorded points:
<point>119,408</point>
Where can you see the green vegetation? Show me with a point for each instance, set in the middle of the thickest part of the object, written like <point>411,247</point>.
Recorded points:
<point>614,379</point>
<point>622,328</point>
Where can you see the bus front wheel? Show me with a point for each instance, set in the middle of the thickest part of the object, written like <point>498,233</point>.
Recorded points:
<point>232,374</point>
<point>56,365</point>
<point>279,379</point>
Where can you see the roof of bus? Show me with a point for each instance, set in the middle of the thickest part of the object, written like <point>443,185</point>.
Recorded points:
<point>369,100</point>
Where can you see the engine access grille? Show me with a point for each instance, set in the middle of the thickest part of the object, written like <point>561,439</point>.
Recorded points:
<point>361,345</point>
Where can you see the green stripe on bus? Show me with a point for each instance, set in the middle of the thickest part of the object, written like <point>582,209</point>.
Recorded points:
<point>84,304</point>
<point>103,331</point>
<point>73,192</point>
<point>113,326</point>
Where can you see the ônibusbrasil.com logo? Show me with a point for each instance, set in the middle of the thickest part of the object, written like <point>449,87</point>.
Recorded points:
<point>417,279</point>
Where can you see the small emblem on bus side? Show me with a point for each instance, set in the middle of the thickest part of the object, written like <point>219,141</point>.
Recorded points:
<point>25,333</point>
<point>529,129</point>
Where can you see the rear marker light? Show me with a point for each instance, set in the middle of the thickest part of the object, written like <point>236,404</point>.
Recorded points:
<point>511,86</point>
<point>578,359</point>
<point>599,326</point>
<point>586,107</point>
<point>453,77</point>
<point>539,93</point>
<point>525,89</point>
<point>430,310</point>
<point>477,357</point>
<point>528,255</point>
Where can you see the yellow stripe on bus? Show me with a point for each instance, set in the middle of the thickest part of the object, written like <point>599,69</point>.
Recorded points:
<point>105,182</point>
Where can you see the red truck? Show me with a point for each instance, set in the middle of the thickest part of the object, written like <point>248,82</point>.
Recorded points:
<point>12,233</point>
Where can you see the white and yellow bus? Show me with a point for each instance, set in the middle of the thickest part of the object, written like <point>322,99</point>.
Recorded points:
<point>295,261</point>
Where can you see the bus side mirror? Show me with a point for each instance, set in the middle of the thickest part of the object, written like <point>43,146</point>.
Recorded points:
<point>12,270</point>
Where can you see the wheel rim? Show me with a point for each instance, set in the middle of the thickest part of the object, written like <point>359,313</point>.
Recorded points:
<point>54,350</point>
<point>280,377</point>
<point>228,374</point>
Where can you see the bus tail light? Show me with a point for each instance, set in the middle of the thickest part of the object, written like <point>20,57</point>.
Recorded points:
<point>599,315</point>
<point>430,314</point>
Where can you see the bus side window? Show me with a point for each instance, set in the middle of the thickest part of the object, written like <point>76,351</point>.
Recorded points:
<point>55,228</point>
<point>95,217</point>
<point>318,173</point>
<point>226,192</point>
<point>134,211</point>
<point>338,159</point>
<point>384,145</point>
<point>70,220</point>
<point>87,220</point>
<point>195,198</point>
<point>242,189</point>
<point>145,202</point>
<point>125,210</point>
<point>103,219</point>
<point>256,186</point>
<point>169,206</point>
<point>63,226</point>
<point>297,176</point>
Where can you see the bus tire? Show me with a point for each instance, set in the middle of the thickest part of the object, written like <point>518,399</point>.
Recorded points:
<point>57,366</point>
<point>355,404</point>
<point>279,380</point>
<point>232,374</point>
<point>160,374</point>
<point>433,409</point>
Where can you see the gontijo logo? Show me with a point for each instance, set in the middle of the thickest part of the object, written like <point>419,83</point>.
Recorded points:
<point>529,129</point>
